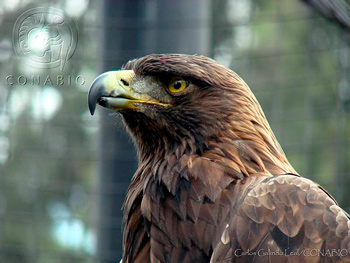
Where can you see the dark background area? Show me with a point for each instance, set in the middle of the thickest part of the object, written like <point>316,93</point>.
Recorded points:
<point>64,173</point>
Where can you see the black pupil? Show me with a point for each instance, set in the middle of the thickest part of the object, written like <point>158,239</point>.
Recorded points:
<point>177,84</point>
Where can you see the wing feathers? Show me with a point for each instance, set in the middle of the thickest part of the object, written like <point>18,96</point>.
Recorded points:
<point>288,213</point>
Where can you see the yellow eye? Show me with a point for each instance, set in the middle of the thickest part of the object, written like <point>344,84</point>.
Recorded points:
<point>178,84</point>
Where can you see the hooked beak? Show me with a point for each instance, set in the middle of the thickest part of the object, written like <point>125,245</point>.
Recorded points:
<point>113,90</point>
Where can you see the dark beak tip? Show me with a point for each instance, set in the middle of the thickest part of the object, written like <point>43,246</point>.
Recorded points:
<point>95,92</point>
<point>92,109</point>
<point>91,103</point>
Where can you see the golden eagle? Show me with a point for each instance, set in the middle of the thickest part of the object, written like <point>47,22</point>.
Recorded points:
<point>213,184</point>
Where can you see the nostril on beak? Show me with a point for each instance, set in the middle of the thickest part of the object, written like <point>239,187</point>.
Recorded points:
<point>125,82</point>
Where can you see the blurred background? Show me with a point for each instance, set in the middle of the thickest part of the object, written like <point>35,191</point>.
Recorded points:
<point>64,173</point>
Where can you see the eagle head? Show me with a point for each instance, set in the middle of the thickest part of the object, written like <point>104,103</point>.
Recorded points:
<point>168,100</point>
